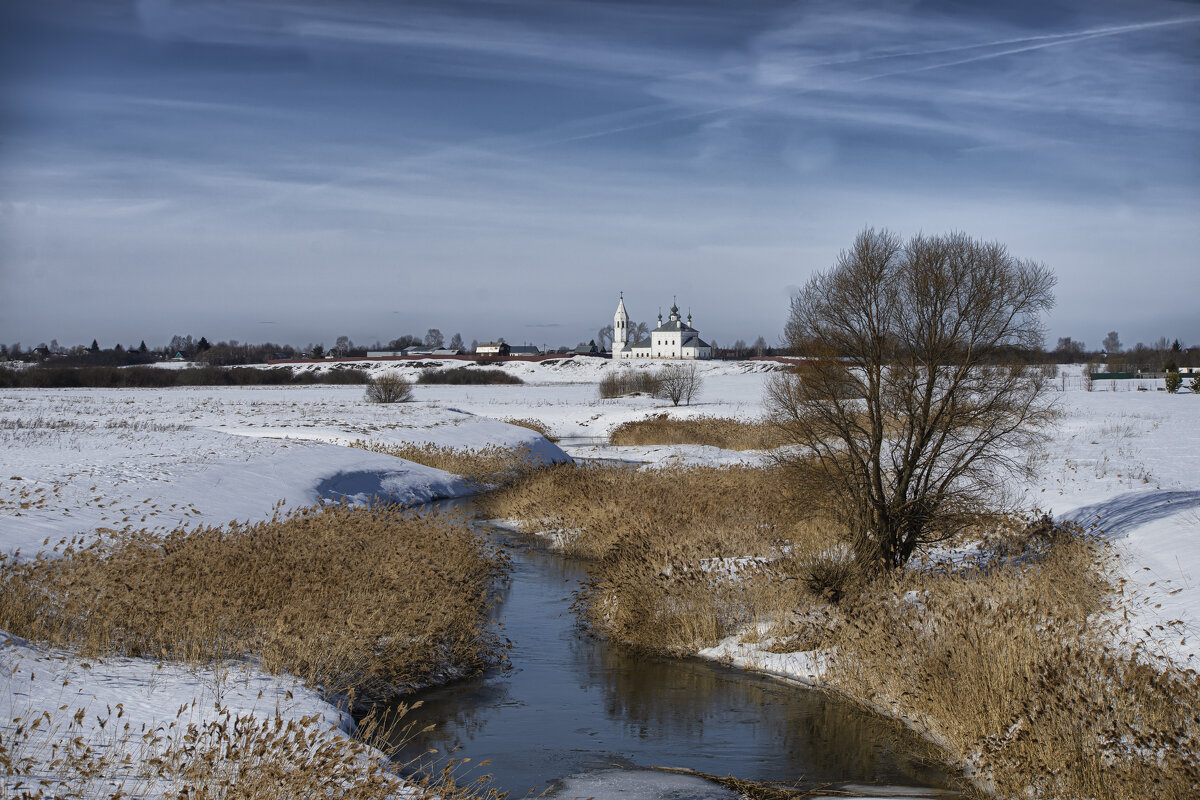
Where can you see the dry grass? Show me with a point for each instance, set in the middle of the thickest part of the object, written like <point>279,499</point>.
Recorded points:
<point>231,756</point>
<point>723,432</point>
<point>1005,660</point>
<point>533,425</point>
<point>677,554</point>
<point>354,600</point>
<point>488,465</point>
<point>1012,669</point>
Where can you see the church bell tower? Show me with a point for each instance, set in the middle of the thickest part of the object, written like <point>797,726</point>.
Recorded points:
<point>620,327</point>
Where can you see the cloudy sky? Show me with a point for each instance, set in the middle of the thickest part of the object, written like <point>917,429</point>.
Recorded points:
<point>296,170</point>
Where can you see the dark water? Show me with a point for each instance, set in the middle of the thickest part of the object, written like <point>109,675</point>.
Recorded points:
<point>575,705</point>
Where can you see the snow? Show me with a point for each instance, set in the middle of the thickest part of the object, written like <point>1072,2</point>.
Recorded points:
<point>646,784</point>
<point>630,784</point>
<point>75,461</point>
<point>1124,464</point>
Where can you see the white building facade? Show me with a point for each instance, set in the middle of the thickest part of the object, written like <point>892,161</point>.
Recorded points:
<point>674,338</point>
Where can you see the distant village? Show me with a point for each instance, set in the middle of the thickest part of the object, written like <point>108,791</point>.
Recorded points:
<point>674,338</point>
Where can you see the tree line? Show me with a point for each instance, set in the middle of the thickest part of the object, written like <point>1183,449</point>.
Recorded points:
<point>1163,355</point>
<point>1111,356</point>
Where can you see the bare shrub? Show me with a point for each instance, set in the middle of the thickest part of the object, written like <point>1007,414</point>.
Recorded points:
<point>910,395</point>
<point>723,432</point>
<point>368,600</point>
<point>629,381</point>
<point>679,383</point>
<point>389,389</point>
<point>466,375</point>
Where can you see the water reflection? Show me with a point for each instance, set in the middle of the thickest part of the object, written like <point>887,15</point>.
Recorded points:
<point>572,703</point>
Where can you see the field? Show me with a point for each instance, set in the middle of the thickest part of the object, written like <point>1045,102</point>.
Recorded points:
<point>112,465</point>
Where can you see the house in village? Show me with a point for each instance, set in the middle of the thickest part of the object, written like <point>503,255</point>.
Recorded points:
<point>674,338</point>
<point>492,349</point>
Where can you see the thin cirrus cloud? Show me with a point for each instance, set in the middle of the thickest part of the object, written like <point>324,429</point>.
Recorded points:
<point>580,144</point>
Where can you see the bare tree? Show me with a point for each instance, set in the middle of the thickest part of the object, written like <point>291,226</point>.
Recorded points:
<point>679,383</point>
<point>389,389</point>
<point>456,342</point>
<point>910,399</point>
<point>1111,343</point>
<point>638,331</point>
<point>604,337</point>
<point>433,339</point>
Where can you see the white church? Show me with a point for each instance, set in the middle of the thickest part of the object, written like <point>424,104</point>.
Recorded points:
<point>671,339</point>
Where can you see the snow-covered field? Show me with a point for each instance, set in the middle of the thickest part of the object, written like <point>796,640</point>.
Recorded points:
<point>72,461</point>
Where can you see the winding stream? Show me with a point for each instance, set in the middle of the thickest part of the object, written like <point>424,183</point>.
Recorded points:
<point>584,718</point>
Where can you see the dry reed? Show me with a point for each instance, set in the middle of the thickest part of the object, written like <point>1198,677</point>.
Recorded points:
<point>355,600</point>
<point>723,432</point>
<point>488,465</point>
<point>1007,660</point>
<point>676,553</point>
<point>231,756</point>
<point>533,425</point>
<point>1015,670</point>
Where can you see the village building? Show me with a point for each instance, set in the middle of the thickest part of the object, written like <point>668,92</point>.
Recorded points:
<point>492,349</point>
<point>674,338</point>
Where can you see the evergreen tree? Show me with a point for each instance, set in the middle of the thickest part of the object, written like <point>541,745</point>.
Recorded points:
<point>95,348</point>
<point>202,345</point>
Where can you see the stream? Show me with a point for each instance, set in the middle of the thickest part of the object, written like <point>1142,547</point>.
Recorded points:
<point>582,717</point>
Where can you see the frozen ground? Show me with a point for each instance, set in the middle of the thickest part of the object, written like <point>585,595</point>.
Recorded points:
<point>1126,464</point>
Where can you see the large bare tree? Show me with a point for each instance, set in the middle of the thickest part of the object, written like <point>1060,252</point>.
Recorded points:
<point>913,402</point>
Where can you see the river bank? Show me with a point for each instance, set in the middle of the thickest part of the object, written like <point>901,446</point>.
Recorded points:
<point>572,705</point>
<point>1003,649</point>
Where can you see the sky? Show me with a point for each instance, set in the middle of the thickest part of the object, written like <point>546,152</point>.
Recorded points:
<point>293,171</point>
